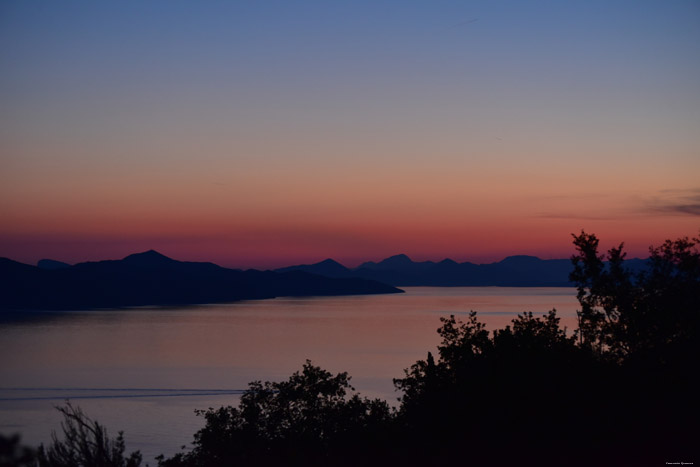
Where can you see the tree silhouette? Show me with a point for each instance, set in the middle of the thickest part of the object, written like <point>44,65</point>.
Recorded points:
<point>649,315</point>
<point>307,420</point>
<point>486,390</point>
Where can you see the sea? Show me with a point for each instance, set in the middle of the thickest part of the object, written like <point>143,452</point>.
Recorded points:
<point>145,370</point>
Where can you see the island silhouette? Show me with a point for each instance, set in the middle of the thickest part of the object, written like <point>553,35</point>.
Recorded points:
<point>150,278</point>
<point>513,271</point>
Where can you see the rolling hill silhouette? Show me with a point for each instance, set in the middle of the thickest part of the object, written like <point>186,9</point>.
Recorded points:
<point>150,278</point>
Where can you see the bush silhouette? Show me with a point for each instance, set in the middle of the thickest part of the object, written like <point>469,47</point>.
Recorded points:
<point>14,454</point>
<point>85,444</point>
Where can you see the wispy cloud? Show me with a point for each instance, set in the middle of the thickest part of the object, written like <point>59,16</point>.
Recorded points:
<point>676,202</point>
<point>574,215</point>
<point>585,206</point>
<point>667,202</point>
<point>692,209</point>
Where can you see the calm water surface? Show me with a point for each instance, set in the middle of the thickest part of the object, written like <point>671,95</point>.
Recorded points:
<point>144,370</point>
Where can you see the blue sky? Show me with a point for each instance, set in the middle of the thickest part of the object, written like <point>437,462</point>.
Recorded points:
<point>163,121</point>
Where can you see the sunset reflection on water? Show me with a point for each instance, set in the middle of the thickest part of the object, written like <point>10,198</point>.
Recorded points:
<point>144,370</point>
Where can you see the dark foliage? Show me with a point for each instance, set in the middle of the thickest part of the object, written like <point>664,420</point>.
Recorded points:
<point>85,444</point>
<point>652,315</point>
<point>505,398</point>
<point>13,454</point>
<point>622,390</point>
<point>308,420</point>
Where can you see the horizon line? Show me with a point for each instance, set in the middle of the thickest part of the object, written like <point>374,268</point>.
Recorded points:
<point>312,263</point>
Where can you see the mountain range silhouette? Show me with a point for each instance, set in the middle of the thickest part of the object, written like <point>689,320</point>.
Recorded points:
<point>402,271</point>
<point>150,278</point>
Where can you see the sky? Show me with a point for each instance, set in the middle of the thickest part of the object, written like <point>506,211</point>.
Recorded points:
<point>264,134</point>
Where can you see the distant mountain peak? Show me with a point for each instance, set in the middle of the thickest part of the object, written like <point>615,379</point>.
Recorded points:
<point>150,257</point>
<point>448,261</point>
<point>396,260</point>
<point>52,264</point>
<point>327,267</point>
<point>521,259</point>
<point>399,257</point>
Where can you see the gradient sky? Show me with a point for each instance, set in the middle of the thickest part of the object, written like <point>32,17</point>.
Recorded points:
<point>261,134</point>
